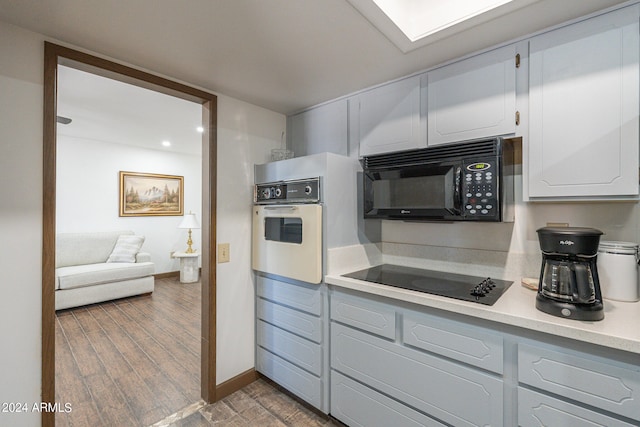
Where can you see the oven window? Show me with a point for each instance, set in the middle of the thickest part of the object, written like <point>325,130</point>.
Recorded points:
<point>287,230</point>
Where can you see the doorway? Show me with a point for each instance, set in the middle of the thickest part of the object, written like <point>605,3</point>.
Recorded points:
<point>57,55</point>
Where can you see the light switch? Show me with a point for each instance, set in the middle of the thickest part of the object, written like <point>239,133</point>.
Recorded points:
<point>223,252</point>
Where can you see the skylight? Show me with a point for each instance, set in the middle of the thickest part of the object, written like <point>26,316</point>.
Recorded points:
<point>410,24</point>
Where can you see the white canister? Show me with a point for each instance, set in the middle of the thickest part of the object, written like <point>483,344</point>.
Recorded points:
<point>618,271</point>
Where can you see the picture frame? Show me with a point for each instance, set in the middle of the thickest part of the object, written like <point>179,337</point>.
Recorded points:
<point>151,194</point>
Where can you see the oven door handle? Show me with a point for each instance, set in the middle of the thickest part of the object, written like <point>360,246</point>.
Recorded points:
<point>280,208</point>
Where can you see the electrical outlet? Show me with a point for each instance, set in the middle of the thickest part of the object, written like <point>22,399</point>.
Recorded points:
<point>223,252</point>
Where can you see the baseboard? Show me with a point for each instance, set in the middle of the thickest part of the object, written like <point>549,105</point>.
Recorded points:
<point>167,275</point>
<point>236,383</point>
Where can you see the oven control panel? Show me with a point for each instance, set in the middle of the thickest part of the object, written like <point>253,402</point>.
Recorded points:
<point>294,191</point>
<point>479,189</point>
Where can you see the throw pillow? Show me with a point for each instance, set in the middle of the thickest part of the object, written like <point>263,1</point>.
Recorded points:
<point>126,249</point>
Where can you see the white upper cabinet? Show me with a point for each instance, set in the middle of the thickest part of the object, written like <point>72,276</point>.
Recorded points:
<point>388,118</point>
<point>473,98</point>
<point>583,101</point>
<point>319,130</point>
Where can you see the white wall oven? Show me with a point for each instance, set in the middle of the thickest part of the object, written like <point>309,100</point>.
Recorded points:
<point>287,229</point>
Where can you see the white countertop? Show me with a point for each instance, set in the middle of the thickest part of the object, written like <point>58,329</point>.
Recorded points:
<point>620,328</point>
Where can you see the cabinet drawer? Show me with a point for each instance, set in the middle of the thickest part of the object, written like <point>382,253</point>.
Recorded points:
<point>466,343</point>
<point>296,350</point>
<point>605,384</point>
<point>535,409</point>
<point>370,316</point>
<point>358,405</point>
<point>299,296</point>
<point>299,323</point>
<point>296,380</point>
<point>449,392</point>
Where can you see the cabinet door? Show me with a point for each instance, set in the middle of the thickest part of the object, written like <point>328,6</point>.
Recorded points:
<point>601,383</point>
<point>360,406</point>
<point>584,108</point>
<point>389,118</point>
<point>447,391</point>
<point>536,409</point>
<point>374,317</point>
<point>473,98</point>
<point>298,381</point>
<point>321,129</point>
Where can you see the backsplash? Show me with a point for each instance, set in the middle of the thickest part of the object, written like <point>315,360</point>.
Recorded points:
<point>474,262</point>
<point>501,250</point>
<point>504,250</point>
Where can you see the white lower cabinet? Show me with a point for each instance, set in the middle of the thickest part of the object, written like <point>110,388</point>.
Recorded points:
<point>430,384</point>
<point>306,386</point>
<point>602,384</point>
<point>380,376</point>
<point>358,405</point>
<point>537,409</point>
<point>396,364</point>
<point>292,338</point>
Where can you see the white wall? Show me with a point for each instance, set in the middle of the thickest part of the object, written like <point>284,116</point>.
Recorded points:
<point>21,86</point>
<point>87,194</point>
<point>245,135</point>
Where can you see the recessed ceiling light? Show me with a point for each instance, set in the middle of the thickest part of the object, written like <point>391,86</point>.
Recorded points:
<point>166,143</point>
<point>200,129</point>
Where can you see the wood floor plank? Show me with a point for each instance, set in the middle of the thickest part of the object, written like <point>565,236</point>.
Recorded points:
<point>170,331</point>
<point>171,364</point>
<point>67,373</point>
<point>131,361</point>
<point>109,355</point>
<point>113,407</point>
<point>147,368</point>
<point>88,361</point>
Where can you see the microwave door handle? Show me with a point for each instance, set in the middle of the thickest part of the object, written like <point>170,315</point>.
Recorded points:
<point>457,194</point>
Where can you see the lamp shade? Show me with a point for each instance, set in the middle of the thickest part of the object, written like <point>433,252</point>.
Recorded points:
<point>189,221</point>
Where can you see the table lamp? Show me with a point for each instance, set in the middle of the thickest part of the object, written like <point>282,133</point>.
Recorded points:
<point>189,221</point>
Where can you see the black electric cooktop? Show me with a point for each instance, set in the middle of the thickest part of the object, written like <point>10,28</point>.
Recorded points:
<point>483,290</point>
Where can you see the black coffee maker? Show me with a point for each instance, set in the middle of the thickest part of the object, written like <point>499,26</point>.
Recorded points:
<point>569,285</point>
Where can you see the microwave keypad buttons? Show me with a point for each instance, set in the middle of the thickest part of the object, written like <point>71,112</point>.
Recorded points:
<point>479,190</point>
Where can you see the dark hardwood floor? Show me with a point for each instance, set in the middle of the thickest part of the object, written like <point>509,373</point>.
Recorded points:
<point>136,362</point>
<point>129,362</point>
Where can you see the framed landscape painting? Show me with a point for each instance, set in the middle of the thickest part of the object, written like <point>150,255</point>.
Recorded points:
<point>150,194</point>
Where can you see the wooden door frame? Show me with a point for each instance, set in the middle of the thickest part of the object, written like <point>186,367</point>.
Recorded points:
<point>55,55</point>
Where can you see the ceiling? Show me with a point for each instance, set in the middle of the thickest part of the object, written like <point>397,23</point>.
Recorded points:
<point>284,55</point>
<point>107,110</point>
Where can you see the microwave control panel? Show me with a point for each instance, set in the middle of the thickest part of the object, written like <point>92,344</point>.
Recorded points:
<point>479,189</point>
<point>295,191</point>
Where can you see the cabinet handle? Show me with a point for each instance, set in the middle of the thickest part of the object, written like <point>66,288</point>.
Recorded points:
<point>517,60</point>
<point>517,118</point>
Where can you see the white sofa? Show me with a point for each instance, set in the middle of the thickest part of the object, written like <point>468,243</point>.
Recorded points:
<point>88,270</point>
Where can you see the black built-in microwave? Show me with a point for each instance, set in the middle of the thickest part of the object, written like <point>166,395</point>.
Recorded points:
<point>470,181</point>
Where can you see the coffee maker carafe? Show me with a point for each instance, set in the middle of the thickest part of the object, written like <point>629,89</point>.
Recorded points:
<point>569,285</point>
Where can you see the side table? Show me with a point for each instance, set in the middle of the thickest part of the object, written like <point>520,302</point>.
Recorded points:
<point>189,271</point>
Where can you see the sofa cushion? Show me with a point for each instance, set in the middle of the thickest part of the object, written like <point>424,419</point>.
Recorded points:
<point>78,276</point>
<point>85,248</point>
<point>126,248</point>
